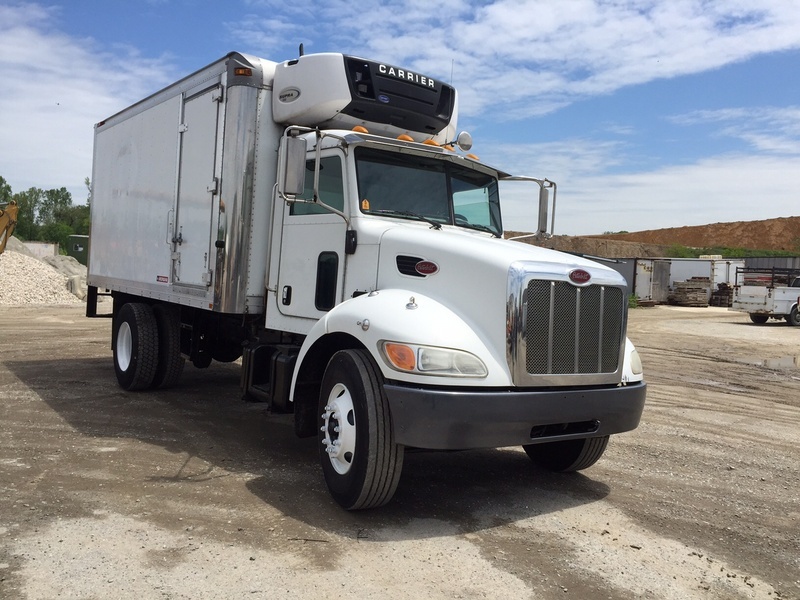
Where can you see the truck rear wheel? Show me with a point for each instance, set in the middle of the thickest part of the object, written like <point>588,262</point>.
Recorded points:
<point>170,361</point>
<point>567,456</point>
<point>360,460</point>
<point>135,346</point>
<point>758,319</point>
<point>794,317</point>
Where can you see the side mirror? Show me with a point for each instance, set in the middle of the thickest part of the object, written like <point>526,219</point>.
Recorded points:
<point>544,200</point>
<point>464,141</point>
<point>294,162</point>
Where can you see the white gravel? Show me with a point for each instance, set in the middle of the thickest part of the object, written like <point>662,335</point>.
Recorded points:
<point>27,280</point>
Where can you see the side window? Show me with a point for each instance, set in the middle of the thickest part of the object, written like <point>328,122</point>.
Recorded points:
<point>331,190</point>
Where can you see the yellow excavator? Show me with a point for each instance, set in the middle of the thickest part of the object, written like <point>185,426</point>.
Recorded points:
<point>8,220</point>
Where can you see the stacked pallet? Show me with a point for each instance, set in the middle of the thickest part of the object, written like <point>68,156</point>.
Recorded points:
<point>693,292</point>
<point>723,296</point>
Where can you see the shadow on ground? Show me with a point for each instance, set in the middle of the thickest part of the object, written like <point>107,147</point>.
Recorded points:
<point>204,417</point>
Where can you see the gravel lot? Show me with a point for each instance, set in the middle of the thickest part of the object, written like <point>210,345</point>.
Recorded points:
<point>191,493</point>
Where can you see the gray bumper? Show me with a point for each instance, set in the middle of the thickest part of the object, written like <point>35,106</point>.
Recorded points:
<point>455,420</point>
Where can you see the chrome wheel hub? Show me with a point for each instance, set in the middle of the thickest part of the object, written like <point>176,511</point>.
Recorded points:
<point>339,429</point>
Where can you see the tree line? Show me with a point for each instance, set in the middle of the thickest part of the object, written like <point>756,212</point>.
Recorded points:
<point>48,215</point>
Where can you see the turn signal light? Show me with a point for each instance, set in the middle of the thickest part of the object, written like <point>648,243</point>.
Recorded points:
<point>401,356</point>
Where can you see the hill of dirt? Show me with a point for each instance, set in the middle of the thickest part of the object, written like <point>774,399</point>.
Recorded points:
<point>771,234</point>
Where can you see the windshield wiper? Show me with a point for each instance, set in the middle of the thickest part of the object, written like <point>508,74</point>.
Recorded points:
<point>407,213</point>
<point>479,227</point>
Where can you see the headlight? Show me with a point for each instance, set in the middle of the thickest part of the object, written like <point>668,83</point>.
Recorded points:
<point>431,360</point>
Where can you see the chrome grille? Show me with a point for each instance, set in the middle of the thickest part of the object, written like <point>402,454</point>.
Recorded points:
<point>572,330</point>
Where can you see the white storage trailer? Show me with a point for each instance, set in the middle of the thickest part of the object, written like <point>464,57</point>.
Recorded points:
<point>316,218</point>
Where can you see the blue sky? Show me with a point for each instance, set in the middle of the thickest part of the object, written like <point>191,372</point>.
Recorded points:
<point>647,113</point>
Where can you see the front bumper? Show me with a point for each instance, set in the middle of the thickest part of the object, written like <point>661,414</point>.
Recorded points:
<point>456,420</point>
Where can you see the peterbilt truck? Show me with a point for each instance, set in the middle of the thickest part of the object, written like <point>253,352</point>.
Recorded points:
<point>320,220</point>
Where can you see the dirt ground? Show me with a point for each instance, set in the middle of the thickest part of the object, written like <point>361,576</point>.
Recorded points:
<point>191,493</point>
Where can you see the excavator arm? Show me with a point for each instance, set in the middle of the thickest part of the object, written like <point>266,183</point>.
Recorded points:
<point>8,220</point>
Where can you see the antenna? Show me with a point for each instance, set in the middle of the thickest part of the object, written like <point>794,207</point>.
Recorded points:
<point>301,49</point>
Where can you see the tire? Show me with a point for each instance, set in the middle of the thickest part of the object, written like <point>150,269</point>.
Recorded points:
<point>567,456</point>
<point>170,361</point>
<point>135,346</point>
<point>793,317</point>
<point>758,319</point>
<point>360,460</point>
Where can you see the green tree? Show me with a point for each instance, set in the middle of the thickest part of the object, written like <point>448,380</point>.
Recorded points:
<point>5,191</point>
<point>57,233</point>
<point>53,202</point>
<point>88,183</point>
<point>29,203</point>
<point>76,217</point>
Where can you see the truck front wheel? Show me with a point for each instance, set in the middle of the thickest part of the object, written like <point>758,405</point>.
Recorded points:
<point>567,456</point>
<point>360,460</point>
<point>794,317</point>
<point>135,346</point>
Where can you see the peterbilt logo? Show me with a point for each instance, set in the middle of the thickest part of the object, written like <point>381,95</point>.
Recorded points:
<point>406,75</point>
<point>579,276</point>
<point>426,267</point>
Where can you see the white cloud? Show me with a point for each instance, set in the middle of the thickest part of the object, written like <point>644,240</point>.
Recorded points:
<point>769,129</point>
<point>718,189</point>
<point>55,87</point>
<point>527,57</point>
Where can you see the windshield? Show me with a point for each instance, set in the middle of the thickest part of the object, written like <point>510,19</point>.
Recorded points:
<point>428,189</point>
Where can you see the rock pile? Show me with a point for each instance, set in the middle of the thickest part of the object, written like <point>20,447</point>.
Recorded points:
<point>27,280</point>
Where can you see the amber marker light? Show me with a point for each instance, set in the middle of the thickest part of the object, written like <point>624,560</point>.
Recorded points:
<point>404,137</point>
<point>400,355</point>
<point>360,129</point>
<point>243,72</point>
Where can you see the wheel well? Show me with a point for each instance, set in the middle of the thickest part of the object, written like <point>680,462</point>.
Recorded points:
<point>309,379</point>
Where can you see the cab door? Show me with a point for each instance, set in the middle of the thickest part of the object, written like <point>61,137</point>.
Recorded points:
<point>312,256</point>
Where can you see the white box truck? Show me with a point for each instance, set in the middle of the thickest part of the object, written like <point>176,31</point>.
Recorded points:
<point>319,219</point>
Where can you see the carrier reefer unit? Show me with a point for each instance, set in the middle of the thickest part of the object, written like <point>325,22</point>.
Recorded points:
<point>319,219</point>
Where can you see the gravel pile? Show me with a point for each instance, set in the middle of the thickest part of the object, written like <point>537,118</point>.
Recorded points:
<point>27,280</point>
